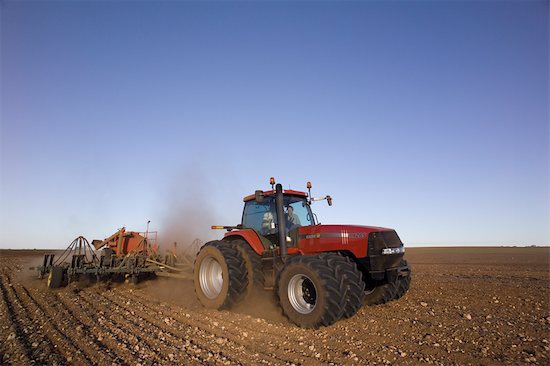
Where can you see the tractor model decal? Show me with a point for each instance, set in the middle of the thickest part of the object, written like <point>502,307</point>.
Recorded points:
<point>345,235</point>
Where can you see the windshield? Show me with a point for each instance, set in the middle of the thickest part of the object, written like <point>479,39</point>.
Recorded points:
<point>298,212</point>
<point>262,216</point>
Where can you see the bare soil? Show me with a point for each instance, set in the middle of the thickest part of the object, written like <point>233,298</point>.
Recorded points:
<point>466,306</point>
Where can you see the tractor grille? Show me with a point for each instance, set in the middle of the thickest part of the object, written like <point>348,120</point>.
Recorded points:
<point>381,240</point>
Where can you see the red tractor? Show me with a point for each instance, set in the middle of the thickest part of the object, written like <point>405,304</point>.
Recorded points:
<point>320,273</point>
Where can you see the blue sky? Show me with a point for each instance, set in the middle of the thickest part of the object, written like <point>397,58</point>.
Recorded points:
<point>428,117</point>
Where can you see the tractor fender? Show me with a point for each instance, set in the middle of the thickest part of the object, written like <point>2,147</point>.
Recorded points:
<point>248,235</point>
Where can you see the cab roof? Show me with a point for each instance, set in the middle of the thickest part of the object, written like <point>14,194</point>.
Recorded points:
<point>272,192</point>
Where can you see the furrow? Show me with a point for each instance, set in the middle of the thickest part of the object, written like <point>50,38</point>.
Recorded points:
<point>38,348</point>
<point>67,326</point>
<point>147,348</point>
<point>183,331</point>
<point>262,333</point>
<point>104,338</point>
<point>66,346</point>
<point>119,339</point>
<point>16,348</point>
<point>255,343</point>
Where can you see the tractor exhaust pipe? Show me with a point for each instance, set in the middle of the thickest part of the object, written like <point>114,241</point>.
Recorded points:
<point>281,220</point>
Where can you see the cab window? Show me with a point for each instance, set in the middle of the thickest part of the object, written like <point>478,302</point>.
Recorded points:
<point>260,216</point>
<point>302,210</point>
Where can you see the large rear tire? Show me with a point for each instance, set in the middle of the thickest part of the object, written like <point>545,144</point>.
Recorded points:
<point>353,282</point>
<point>253,264</point>
<point>220,276</point>
<point>311,293</point>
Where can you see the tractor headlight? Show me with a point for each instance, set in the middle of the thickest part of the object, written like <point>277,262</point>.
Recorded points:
<point>393,250</point>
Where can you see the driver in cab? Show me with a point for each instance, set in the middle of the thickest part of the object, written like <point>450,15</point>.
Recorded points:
<point>292,219</point>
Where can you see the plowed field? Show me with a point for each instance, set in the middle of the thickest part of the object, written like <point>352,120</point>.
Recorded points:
<point>478,306</point>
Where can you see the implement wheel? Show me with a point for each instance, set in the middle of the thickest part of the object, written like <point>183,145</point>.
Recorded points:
<point>55,278</point>
<point>134,279</point>
<point>220,276</point>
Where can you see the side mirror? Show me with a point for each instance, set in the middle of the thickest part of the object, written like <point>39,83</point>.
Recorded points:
<point>259,196</point>
<point>329,200</point>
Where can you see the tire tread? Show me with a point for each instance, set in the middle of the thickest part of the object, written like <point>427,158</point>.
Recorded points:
<point>353,282</point>
<point>331,288</point>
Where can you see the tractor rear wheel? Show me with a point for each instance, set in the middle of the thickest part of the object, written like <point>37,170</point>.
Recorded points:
<point>55,278</point>
<point>353,282</point>
<point>253,264</point>
<point>220,276</point>
<point>311,292</point>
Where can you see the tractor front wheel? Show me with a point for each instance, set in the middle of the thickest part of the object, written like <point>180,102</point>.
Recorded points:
<point>353,282</point>
<point>310,292</point>
<point>404,283</point>
<point>381,293</point>
<point>220,276</point>
<point>378,294</point>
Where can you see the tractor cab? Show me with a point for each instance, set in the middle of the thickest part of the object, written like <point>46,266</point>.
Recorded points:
<point>261,215</point>
<point>265,209</point>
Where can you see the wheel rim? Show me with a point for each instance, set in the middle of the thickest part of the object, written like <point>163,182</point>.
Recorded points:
<point>302,294</point>
<point>211,278</point>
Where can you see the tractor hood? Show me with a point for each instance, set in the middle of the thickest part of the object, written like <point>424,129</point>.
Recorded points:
<point>352,238</point>
<point>342,229</point>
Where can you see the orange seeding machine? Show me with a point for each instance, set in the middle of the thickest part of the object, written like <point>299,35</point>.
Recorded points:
<point>125,255</point>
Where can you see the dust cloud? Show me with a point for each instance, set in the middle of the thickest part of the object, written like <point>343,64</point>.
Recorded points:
<point>26,273</point>
<point>187,213</point>
<point>259,304</point>
<point>262,304</point>
<point>171,290</point>
<point>29,260</point>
